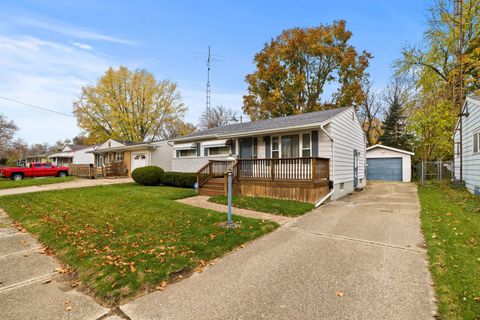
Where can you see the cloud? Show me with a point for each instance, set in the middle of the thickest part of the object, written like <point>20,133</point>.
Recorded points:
<point>83,46</point>
<point>48,74</point>
<point>69,30</point>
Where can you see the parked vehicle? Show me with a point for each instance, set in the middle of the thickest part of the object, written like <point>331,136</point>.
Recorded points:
<point>36,169</point>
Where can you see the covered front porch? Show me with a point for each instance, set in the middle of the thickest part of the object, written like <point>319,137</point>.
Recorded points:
<point>304,179</point>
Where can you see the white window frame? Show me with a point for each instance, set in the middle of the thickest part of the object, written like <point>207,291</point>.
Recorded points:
<point>220,154</point>
<point>300,143</point>
<point>119,158</point>
<point>183,157</point>
<point>475,146</point>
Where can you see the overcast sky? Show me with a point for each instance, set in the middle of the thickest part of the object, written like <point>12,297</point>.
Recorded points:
<point>50,49</point>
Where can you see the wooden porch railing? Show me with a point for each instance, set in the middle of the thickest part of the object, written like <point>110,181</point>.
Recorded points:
<point>287,169</point>
<point>213,169</point>
<point>312,169</point>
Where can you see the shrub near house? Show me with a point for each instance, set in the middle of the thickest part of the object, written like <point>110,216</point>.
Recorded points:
<point>148,176</point>
<point>154,176</point>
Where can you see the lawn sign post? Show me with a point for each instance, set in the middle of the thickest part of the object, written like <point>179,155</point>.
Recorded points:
<point>230,162</point>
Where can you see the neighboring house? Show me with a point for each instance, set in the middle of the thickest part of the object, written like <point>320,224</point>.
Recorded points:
<point>470,145</point>
<point>389,164</point>
<point>133,155</point>
<point>72,154</point>
<point>303,157</point>
<point>35,158</point>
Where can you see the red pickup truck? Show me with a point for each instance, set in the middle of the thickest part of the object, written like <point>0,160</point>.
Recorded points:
<point>36,169</point>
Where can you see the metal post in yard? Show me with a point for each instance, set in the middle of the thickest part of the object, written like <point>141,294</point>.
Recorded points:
<point>229,221</point>
<point>422,179</point>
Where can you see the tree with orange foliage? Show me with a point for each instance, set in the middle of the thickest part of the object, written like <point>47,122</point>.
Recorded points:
<point>294,69</point>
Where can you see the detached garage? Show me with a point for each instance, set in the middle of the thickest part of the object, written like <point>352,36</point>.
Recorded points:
<point>389,164</point>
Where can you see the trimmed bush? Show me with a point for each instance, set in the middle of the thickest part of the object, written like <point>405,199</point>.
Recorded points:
<point>148,176</point>
<point>179,179</point>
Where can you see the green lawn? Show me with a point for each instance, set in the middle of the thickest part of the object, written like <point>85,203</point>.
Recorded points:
<point>128,238</point>
<point>27,182</point>
<point>275,206</point>
<point>451,223</point>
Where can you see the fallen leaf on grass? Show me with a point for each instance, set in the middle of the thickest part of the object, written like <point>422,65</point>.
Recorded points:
<point>69,308</point>
<point>339,293</point>
<point>162,286</point>
<point>47,281</point>
<point>477,299</point>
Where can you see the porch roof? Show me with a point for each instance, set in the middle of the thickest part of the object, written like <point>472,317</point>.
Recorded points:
<point>304,120</point>
<point>61,155</point>
<point>134,147</point>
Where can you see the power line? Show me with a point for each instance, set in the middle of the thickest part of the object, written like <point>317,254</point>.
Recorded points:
<point>37,107</point>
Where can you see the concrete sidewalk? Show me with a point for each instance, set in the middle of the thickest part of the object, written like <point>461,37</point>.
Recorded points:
<point>77,183</point>
<point>361,257</point>
<point>30,285</point>
<point>202,202</point>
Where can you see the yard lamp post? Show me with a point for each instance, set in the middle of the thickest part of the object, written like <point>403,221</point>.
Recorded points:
<point>230,163</point>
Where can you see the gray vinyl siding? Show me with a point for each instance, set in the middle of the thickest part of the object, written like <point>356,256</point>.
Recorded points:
<point>471,161</point>
<point>348,135</point>
<point>161,156</point>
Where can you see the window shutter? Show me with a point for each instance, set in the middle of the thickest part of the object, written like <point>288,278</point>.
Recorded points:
<point>205,152</point>
<point>314,143</point>
<point>198,149</point>
<point>233,146</point>
<point>266,139</point>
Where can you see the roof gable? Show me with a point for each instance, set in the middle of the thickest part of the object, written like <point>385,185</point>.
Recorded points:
<point>389,148</point>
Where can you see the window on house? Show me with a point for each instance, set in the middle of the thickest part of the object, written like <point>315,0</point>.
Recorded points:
<point>118,156</point>
<point>290,146</point>
<point>306,146</point>
<point>275,145</point>
<point>217,151</point>
<point>476,142</point>
<point>186,153</point>
<point>255,148</point>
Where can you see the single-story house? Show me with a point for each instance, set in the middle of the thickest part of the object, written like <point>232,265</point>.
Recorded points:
<point>307,157</point>
<point>469,153</point>
<point>35,158</point>
<point>389,164</point>
<point>129,155</point>
<point>72,154</point>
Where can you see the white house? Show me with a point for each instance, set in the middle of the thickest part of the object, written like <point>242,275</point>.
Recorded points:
<point>304,157</point>
<point>72,154</point>
<point>470,150</point>
<point>389,164</point>
<point>134,154</point>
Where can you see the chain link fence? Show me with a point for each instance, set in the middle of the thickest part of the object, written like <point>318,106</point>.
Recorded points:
<point>433,171</point>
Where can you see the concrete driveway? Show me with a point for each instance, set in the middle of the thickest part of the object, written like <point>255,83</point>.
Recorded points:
<point>361,257</point>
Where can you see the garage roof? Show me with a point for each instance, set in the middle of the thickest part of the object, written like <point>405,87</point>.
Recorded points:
<point>390,148</point>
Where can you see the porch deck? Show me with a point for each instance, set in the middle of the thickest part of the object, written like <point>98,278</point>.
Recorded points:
<point>301,179</point>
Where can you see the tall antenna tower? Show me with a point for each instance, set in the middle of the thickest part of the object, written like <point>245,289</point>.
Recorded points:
<point>458,13</point>
<point>207,102</point>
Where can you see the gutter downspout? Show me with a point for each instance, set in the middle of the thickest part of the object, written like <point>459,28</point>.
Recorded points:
<point>332,191</point>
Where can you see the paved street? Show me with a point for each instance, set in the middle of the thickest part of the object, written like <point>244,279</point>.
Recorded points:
<point>361,257</point>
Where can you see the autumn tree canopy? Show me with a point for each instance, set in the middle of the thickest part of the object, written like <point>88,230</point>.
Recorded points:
<point>216,117</point>
<point>128,105</point>
<point>293,70</point>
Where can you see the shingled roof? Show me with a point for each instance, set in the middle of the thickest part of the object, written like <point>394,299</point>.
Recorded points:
<point>269,124</point>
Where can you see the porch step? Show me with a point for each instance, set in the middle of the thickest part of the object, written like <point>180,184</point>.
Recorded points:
<point>213,187</point>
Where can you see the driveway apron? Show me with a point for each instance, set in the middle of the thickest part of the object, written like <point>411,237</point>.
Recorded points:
<point>360,257</point>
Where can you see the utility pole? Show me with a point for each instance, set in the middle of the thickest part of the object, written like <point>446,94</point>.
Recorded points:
<point>207,104</point>
<point>458,13</point>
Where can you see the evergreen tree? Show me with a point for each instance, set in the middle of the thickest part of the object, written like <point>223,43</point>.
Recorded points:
<point>398,98</point>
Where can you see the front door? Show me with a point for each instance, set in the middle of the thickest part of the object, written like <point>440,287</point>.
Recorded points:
<point>355,168</point>
<point>246,145</point>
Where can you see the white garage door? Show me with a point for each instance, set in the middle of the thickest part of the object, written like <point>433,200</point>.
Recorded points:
<point>139,160</point>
